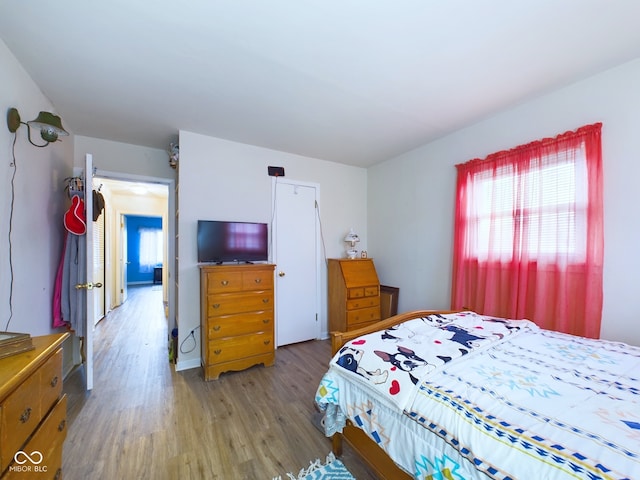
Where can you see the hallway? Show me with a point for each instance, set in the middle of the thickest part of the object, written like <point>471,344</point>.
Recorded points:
<point>132,379</point>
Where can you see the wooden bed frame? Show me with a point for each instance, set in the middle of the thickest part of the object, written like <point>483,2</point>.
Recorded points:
<point>366,448</point>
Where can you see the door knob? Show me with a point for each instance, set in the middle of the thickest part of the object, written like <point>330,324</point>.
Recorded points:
<point>281,274</point>
<point>88,286</point>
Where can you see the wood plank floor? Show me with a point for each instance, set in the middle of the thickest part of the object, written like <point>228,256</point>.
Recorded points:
<point>143,420</point>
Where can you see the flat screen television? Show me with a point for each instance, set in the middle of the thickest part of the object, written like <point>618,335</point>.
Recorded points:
<point>241,242</point>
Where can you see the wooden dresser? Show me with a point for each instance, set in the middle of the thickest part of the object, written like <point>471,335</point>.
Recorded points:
<point>33,411</point>
<point>236,317</point>
<point>354,294</point>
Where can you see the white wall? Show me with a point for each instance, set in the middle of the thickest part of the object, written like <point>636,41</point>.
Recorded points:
<point>40,203</point>
<point>223,180</point>
<point>410,207</point>
<point>123,157</point>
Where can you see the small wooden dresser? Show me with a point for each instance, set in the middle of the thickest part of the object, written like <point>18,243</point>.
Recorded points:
<point>354,294</point>
<point>33,411</point>
<point>236,317</point>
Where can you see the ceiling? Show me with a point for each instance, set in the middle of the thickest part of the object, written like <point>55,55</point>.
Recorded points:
<point>349,81</point>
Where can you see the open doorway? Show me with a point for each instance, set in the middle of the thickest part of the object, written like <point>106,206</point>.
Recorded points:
<point>132,197</point>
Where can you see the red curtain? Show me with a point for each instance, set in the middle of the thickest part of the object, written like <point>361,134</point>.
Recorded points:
<point>528,239</point>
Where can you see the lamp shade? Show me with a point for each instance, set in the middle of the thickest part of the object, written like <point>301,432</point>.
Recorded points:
<point>352,237</point>
<point>50,126</point>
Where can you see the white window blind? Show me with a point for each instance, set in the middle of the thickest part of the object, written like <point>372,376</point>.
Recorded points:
<point>541,210</point>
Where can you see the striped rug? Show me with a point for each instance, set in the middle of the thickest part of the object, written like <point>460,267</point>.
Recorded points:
<point>331,469</point>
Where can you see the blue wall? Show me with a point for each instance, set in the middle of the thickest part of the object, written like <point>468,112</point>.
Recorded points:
<point>134,223</point>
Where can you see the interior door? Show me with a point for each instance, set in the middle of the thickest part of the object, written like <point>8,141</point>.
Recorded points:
<point>296,256</point>
<point>88,287</point>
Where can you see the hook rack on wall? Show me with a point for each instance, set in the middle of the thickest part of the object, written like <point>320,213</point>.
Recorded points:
<point>74,186</point>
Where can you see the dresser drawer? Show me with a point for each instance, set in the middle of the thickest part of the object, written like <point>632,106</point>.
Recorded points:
<point>29,388</point>
<point>363,302</point>
<point>52,432</point>
<point>225,304</point>
<point>360,292</point>
<point>363,315</point>
<point>371,291</point>
<point>234,348</point>
<point>47,440</point>
<point>224,281</point>
<point>355,292</point>
<point>20,416</point>
<point>239,324</point>
<point>362,325</point>
<point>256,280</point>
<point>23,409</point>
<point>50,382</point>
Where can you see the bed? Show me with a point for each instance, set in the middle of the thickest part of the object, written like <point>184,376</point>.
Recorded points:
<point>458,395</point>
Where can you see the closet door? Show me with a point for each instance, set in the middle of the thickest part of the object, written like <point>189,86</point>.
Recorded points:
<point>297,257</point>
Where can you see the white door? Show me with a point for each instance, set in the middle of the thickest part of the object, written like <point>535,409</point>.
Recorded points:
<point>297,258</point>
<point>88,288</point>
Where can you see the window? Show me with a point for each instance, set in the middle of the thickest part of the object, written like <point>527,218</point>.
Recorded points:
<point>528,239</point>
<point>542,212</point>
<point>151,248</point>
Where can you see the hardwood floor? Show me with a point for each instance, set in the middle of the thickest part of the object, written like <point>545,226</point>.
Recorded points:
<point>143,420</point>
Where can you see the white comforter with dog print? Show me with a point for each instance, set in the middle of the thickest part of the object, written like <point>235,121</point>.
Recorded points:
<point>395,361</point>
<point>490,398</point>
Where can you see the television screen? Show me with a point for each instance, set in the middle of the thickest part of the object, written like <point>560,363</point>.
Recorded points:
<point>220,241</point>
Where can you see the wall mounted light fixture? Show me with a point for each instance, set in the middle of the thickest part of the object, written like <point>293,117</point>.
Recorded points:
<point>50,126</point>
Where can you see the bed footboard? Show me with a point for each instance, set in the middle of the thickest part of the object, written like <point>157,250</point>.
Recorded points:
<point>366,448</point>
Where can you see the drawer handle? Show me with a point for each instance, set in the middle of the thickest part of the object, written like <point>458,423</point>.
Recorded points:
<point>267,342</point>
<point>61,425</point>
<point>258,280</point>
<point>216,305</point>
<point>217,352</point>
<point>225,282</point>
<point>216,328</point>
<point>24,418</point>
<point>265,300</point>
<point>54,381</point>
<point>266,320</point>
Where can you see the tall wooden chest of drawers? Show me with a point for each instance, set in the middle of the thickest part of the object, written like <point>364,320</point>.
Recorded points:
<point>236,317</point>
<point>354,294</point>
<point>33,411</point>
